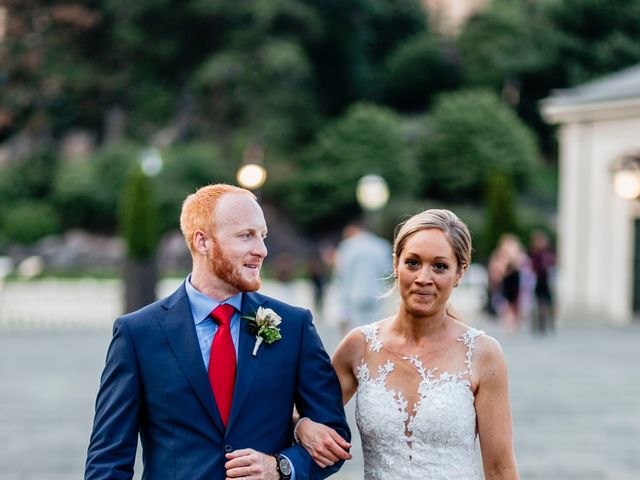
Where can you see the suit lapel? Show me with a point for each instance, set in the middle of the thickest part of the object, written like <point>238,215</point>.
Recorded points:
<point>247,363</point>
<point>179,329</point>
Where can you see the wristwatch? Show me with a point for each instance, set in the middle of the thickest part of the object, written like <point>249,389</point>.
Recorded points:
<point>283,465</point>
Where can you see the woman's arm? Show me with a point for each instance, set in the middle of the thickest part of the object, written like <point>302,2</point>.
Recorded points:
<point>323,443</point>
<point>494,412</point>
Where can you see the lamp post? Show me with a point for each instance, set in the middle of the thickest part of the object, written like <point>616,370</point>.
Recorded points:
<point>372,193</point>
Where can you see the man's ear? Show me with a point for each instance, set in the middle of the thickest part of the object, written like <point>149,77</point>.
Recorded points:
<point>200,242</point>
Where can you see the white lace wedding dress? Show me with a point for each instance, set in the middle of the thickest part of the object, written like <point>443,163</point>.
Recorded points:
<point>436,439</point>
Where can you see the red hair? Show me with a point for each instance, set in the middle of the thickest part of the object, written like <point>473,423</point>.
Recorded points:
<point>198,209</point>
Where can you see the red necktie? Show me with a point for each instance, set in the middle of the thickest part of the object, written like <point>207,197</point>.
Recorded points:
<point>222,361</point>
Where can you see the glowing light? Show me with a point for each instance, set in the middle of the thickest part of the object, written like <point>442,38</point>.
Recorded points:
<point>626,183</point>
<point>251,176</point>
<point>372,192</point>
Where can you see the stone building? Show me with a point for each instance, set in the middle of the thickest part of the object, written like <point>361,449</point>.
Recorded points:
<point>598,231</point>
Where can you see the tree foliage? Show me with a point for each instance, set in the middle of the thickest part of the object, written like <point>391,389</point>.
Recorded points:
<point>419,68</point>
<point>366,140</point>
<point>500,215</point>
<point>596,37</point>
<point>139,216</point>
<point>310,81</point>
<point>472,136</point>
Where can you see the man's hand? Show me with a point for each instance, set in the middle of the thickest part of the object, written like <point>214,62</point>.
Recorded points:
<point>323,443</point>
<point>247,464</point>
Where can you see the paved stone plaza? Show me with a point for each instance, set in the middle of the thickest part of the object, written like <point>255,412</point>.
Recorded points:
<point>575,395</point>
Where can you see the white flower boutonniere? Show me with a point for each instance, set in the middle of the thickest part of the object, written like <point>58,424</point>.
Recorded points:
<point>264,325</point>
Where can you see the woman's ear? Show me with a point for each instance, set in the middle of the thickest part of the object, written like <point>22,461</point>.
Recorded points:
<point>461,272</point>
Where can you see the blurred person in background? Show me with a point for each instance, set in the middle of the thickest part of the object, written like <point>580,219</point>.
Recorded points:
<point>427,385</point>
<point>542,263</point>
<point>318,271</point>
<point>507,266</point>
<point>190,374</point>
<point>362,267</point>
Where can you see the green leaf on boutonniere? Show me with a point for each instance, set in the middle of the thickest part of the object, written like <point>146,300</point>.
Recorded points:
<point>264,325</point>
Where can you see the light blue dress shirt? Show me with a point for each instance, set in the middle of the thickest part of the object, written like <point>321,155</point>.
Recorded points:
<point>206,327</point>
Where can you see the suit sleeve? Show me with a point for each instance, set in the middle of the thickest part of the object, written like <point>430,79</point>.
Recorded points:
<point>318,397</point>
<point>114,439</point>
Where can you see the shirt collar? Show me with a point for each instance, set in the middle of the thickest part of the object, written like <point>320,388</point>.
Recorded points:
<point>202,306</point>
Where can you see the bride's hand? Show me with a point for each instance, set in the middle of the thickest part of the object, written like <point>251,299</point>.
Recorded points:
<point>323,443</point>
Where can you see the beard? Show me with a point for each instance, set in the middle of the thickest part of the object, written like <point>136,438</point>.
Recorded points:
<point>230,273</point>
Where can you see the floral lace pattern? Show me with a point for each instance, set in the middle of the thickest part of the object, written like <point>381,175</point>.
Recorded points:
<point>437,442</point>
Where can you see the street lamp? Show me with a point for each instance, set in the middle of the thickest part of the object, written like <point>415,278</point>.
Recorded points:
<point>151,162</point>
<point>252,174</point>
<point>372,192</point>
<point>626,177</point>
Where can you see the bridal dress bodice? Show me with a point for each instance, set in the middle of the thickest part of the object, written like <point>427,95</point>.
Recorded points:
<point>433,438</point>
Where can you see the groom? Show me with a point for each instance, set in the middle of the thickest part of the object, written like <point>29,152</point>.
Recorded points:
<point>188,375</point>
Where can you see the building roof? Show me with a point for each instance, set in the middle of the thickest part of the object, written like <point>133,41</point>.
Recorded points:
<point>615,91</point>
<point>617,86</point>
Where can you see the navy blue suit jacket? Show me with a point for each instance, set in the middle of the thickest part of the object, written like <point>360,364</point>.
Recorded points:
<point>155,384</point>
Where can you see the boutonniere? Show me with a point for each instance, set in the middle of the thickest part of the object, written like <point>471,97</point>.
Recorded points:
<point>264,325</point>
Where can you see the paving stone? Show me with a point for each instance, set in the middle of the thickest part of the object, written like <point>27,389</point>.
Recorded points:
<point>575,398</point>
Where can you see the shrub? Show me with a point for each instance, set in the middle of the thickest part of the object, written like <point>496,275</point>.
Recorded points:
<point>139,216</point>
<point>28,221</point>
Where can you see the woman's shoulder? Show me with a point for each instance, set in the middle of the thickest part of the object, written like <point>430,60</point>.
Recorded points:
<point>488,357</point>
<point>355,343</point>
<point>484,346</point>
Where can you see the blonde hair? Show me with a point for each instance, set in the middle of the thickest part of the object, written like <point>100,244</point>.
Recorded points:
<point>199,207</point>
<point>454,229</point>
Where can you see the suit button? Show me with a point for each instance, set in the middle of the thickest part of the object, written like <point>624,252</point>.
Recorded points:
<point>227,448</point>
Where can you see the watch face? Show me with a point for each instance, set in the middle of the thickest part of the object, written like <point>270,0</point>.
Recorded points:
<point>285,466</point>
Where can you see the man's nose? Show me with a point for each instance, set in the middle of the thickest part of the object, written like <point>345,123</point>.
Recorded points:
<point>260,248</point>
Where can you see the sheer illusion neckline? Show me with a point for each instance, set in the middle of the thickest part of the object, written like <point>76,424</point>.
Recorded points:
<point>429,379</point>
<point>435,439</point>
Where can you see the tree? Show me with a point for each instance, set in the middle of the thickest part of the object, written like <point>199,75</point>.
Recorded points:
<point>471,136</point>
<point>500,212</point>
<point>139,228</point>
<point>524,49</point>
<point>354,39</point>
<point>366,139</point>
<point>87,191</point>
<point>596,37</point>
<point>416,70</point>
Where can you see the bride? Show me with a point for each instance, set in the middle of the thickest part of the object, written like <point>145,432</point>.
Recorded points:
<point>426,384</point>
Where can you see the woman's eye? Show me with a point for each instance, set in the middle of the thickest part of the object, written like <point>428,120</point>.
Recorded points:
<point>411,262</point>
<point>441,266</point>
